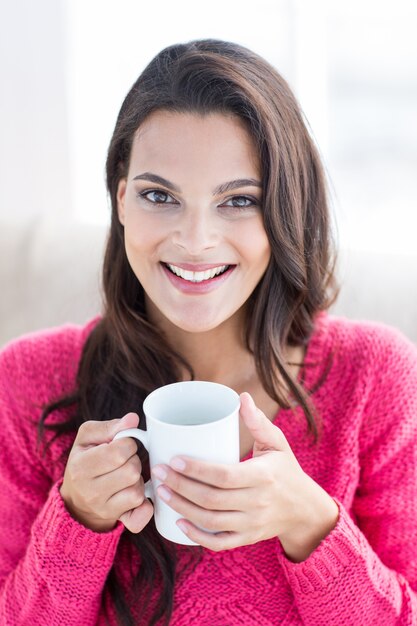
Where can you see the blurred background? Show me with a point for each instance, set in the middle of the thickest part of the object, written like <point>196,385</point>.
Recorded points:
<point>66,65</point>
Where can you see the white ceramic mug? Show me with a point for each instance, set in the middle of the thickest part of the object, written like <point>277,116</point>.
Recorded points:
<point>194,418</point>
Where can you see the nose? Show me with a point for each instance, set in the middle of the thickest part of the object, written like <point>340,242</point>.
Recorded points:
<point>196,231</point>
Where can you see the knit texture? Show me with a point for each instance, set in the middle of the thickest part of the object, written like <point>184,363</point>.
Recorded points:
<point>53,570</point>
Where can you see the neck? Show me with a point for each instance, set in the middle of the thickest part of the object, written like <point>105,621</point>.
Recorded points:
<point>220,355</point>
<point>213,354</point>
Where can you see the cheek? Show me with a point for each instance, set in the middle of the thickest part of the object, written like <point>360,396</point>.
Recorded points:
<point>254,245</point>
<point>142,233</point>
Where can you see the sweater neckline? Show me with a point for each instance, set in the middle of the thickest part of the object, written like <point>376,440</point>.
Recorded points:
<point>315,362</point>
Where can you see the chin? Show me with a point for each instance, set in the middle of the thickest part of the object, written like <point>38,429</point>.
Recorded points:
<point>196,326</point>
<point>194,318</point>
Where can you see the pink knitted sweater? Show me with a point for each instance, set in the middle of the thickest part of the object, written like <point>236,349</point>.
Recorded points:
<point>53,570</point>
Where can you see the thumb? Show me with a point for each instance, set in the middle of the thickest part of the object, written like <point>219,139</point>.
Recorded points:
<point>266,436</point>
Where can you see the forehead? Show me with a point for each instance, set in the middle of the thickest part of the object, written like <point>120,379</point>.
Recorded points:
<point>219,141</point>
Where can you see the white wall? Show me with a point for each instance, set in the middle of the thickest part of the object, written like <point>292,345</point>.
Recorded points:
<point>372,96</point>
<point>65,66</point>
<point>109,48</point>
<point>35,168</point>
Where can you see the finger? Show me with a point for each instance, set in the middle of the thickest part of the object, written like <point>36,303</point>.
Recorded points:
<point>201,494</point>
<point>106,457</point>
<point>215,521</point>
<point>136,519</point>
<point>213,541</point>
<point>266,435</point>
<point>93,433</point>
<point>126,499</point>
<point>110,495</point>
<point>225,476</point>
<point>122,477</point>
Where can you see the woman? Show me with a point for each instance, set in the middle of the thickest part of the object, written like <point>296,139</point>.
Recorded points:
<point>218,267</point>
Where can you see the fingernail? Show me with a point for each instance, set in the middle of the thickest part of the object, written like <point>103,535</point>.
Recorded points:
<point>159,472</point>
<point>164,493</point>
<point>177,464</point>
<point>182,526</point>
<point>250,400</point>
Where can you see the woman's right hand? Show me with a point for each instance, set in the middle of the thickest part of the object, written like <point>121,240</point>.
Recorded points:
<point>103,478</point>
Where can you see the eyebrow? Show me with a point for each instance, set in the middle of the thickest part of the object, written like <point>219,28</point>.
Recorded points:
<point>223,188</point>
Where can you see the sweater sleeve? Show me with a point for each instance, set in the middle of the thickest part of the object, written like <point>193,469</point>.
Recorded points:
<point>52,569</point>
<point>365,570</point>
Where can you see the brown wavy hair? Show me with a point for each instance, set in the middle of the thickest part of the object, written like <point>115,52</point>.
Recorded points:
<point>125,357</point>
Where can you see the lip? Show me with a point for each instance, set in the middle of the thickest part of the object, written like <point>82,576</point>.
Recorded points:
<point>205,286</point>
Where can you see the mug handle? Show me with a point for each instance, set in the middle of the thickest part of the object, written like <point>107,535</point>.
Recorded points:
<point>142,436</point>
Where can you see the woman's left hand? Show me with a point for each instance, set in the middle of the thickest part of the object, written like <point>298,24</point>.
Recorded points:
<point>266,496</point>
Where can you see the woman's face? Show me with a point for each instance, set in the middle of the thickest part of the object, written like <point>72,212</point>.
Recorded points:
<point>191,211</point>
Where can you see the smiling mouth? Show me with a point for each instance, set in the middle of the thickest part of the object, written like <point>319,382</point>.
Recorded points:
<point>197,277</point>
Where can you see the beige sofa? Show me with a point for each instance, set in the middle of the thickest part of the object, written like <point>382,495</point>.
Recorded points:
<point>50,274</point>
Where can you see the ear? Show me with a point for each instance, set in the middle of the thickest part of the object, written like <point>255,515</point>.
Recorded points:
<point>120,196</point>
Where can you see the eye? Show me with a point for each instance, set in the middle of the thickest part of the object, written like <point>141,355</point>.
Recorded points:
<point>159,196</point>
<point>241,202</point>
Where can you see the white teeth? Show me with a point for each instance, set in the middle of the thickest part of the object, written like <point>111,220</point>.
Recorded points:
<point>197,277</point>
